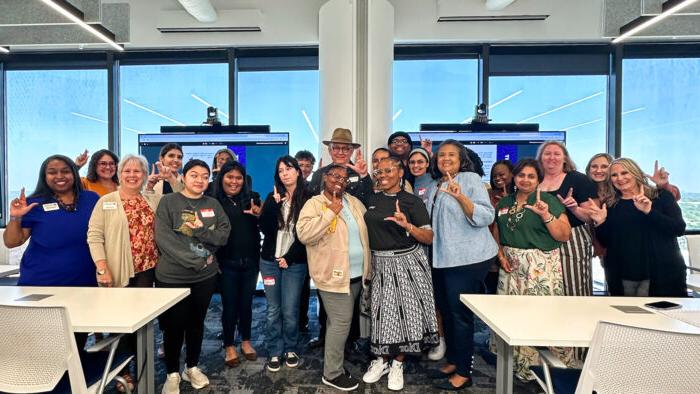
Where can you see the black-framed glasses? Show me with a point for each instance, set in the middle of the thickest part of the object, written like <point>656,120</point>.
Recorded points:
<point>399,140</point>
<point>386,171</point>
<point>341,148</point>
<point>338,178</point>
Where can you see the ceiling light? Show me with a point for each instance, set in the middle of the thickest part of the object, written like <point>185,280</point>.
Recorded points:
<point>4,50</point>
<point>75,15</point>
<point>668,8</point>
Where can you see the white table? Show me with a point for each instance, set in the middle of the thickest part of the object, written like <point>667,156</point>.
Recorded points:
<point>7,270</point>
<point>693,282</point>
<point>113,310</point>
<point>559,321</point>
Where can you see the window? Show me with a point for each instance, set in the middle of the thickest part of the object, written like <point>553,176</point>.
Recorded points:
<point>169,95</point>
<point>660,101</point>
<point>285,100</point>
<point>52,112</point>
<point>434,91</point>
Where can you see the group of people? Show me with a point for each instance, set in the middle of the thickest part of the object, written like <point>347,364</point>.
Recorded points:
<point>388,251</point>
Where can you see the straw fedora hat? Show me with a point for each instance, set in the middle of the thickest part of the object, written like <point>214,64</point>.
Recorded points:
<point>342,136</point>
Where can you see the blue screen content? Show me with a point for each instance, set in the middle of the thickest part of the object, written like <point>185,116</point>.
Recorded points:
<point>494,145</point>
<point>258,152</point>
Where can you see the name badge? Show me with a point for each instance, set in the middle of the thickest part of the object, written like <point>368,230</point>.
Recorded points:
<point>502,211</point>
<point>50,207</point>
<point>207,213</point>
<point>337,273</point>
<point>269,280</point>
<point>353,179</point>
<point>421,191</point>
<point>109,205</point>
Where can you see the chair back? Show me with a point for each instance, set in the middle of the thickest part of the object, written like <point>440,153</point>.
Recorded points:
<point>693,241</point>
<point>624,359</point>
<point>37,347</point>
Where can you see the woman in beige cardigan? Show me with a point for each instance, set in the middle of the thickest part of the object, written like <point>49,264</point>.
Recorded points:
<point>121,232</point>
<point>332,227</point>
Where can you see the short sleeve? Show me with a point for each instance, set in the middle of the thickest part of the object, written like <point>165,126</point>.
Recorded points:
<point>32,217</point>
<point>419,216</point>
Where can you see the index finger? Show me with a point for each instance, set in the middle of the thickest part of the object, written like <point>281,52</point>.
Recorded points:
<point>570,193</point>
<point>398,208</point>
<point>359,154</point>
<point>538,194</point>
<point>656,165</point>
<point>274,189</point>
<point>21,194</point>
<point>335,197</point>
<point>449,177</point>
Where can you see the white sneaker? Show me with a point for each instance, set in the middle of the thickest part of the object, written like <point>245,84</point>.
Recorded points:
<point>395,376</point>
<point>172,384</point>
<point>196,377</point>
<point>377,369</point>
<point>438,351</point>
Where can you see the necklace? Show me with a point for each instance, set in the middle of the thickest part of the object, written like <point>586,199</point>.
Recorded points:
<point>72,207</point>
<point>515,214</point>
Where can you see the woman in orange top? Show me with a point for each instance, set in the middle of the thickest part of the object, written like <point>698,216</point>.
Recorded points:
<point>102,171</point>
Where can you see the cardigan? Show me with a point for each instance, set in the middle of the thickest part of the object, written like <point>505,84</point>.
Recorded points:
<point>269,226</point>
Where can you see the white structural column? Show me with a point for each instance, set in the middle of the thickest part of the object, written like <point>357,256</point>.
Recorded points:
<point>356,54</point>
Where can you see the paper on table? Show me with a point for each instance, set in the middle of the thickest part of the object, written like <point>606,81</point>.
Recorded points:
<point>34,297</point>
<point>630,309</point>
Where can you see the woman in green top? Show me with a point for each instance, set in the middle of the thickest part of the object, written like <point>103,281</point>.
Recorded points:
<point>531,228</point>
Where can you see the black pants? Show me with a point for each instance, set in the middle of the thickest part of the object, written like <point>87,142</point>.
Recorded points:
<point>237,289</point>
<point>185,321</point>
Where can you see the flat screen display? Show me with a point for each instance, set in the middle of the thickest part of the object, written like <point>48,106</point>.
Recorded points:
<point>256,151</point>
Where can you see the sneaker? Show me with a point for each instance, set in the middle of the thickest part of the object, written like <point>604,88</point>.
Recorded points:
<point>438,352</point>
<point>274,364</point>
<point>395,376</point>
<point>377,368</point>
<point>196,378</point>
<point>291,360</point>
<point>172,384</point>
<point>343,382</point>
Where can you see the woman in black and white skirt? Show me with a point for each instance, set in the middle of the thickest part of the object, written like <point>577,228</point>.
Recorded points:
<point>403,307</point>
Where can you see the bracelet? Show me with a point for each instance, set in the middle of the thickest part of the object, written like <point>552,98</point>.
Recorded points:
<point>15,218</point>
<point>551,219</point>
<point>408,230</point>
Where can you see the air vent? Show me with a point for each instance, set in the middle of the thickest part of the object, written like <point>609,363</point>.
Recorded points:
<point>222,29</point>
<point>492,18</point>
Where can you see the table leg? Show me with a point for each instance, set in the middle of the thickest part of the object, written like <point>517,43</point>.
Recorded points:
<point>144,359</point>
<point>504,367</point>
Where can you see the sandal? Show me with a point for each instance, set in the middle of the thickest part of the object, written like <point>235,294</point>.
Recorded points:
<point>129,382</point>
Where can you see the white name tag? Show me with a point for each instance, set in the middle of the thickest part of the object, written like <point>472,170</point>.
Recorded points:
<point>50,207</point>
<point>421,191</point>
<point>109,205</point>
<point>353,179</point>
<point>207,213</point>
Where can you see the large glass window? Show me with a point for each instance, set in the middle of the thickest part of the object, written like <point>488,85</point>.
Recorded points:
<point>169,95</point>
<point>574,103</point>
<point>664,97</point>
<point>434,91</point>
<point>285,100</point>
<point>52,112</point>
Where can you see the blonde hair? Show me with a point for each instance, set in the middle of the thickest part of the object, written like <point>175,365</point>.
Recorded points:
<point>142,162</point>
<point>628,164</point>
<point>604,190</point>
<point>568,162</point>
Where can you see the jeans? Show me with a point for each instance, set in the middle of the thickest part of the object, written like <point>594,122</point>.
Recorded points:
<point>237,290</point>
<point>634,288</point>
<point>457,319</point>
<point>283,291</point>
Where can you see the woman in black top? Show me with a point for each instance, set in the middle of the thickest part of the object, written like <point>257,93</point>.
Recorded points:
<point>574,190</point>
<point>639,225</point>
<point>403,307</point>
<point>239,259</point>
<point>283,263</point>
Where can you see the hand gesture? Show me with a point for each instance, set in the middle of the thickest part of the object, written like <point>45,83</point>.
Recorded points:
<point>19,207</point>
<point>153,178</point>
<point>453,188</point>
<point>642,202</point>
<point>336,204</point>
<point>282,262</point>
<point>166,173</point>
<point>360,166</point>
<point>320,163</point>
<point>499,194</point>
<point>660,175</point>
<point>540,207</point>
<point>278,197</point>
<point>197,223</point>
<point>426,144</point>
<point>398,218</point>
<point>569,202</point>
<point>598,215</point>
<point>81,159</point>
<point>253,210</point>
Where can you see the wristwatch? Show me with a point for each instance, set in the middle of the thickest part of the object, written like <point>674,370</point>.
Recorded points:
<point>101,272</point>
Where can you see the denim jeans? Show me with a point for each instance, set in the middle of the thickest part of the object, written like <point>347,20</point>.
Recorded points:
<point>237,289</point>
<point>283,291</point>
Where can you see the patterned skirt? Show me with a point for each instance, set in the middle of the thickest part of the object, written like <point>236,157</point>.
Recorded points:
<point>403,306</point>
<point>536,273</point>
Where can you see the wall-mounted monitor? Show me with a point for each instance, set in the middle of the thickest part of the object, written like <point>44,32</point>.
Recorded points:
<point>256,151</point>
<point>493,146</point>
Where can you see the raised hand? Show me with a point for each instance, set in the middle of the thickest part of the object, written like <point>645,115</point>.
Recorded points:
<point>197,223</point>
<point>19,207</point>
<point>153,178</point>
<point>278,197</point>
<point>320,163</point>
<point>453,188</point>
<point>360,166</point>
<point>81,159</point>
<point>540,207</point>
<point>568,201</point>
<point>660,175</point>
<point>398,218</point>
<point>336,204</point>
<point>282,262</point>
<point>597,214</point>
<point>426,144</point>
<point>642,202</point>
<point>253,210</point>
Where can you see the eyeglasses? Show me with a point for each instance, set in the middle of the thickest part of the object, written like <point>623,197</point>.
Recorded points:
<point>338,178</point>
<point>106,163</point>
<point>379,171</point>
<point>397,141</point>
<point>341,148</point>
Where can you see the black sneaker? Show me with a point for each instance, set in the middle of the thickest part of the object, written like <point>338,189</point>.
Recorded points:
<point>344,382</point>
<point>291,359</point>
<point>274,364</point>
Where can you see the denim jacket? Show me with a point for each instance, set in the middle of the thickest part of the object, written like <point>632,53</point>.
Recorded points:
<point>458,239</point>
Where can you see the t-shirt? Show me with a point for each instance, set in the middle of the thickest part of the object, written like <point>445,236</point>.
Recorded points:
<point>96,187</point>
<point>525,229</point>
<point>356,254</point>
<point>584,189</point>
<point>58,253</point>
<point>386,234</point>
